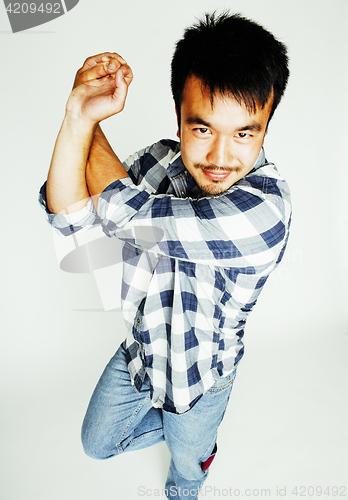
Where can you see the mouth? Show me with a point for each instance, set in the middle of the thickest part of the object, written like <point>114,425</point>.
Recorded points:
<point>217,175</point>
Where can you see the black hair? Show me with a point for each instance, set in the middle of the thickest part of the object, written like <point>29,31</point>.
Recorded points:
<point>231,55</point>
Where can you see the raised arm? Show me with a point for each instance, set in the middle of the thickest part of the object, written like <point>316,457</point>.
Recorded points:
<point>99,92</point>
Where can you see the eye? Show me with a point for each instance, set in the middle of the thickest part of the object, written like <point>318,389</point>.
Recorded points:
<point>242,135</point>
<point>202,130</point>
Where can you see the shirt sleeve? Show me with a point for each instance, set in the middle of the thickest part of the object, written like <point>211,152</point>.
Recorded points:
<point>246,227</point>
<point>147,166</point>
<point>67,224</point>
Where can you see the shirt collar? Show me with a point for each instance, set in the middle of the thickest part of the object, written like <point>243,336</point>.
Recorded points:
<point>261,160</point>
<point>176,166</point>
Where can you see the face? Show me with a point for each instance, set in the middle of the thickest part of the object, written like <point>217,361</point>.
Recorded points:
<point>220,143</point>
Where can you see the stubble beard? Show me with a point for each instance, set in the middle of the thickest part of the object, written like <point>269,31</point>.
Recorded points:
<point>214,187</point>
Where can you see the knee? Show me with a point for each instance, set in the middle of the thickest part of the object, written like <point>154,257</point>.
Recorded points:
<point>188,469</point>
<point>95,444</point>
<point>93,451</point>
<point>92,448</point>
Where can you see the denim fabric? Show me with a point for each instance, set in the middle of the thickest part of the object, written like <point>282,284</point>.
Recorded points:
<point>119,419</point>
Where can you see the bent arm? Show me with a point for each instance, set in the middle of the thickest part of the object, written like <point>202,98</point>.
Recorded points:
<point>69,183</point>
<point>100,91</point>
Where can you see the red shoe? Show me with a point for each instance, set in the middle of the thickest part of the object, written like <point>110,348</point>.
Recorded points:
<point>206,464</point>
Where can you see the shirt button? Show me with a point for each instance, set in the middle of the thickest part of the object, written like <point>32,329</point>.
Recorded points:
<point>138,320</point>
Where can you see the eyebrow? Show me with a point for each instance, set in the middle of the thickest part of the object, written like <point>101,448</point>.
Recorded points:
<point>253,127</point>
<point>196,120</point>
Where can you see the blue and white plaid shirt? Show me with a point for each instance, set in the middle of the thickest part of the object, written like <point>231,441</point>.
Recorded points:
<point>193,266</point>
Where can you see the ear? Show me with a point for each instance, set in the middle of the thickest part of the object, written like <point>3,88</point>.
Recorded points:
<point>178,122</point>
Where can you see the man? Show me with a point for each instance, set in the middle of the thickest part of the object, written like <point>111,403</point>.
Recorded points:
<point>221,214</point>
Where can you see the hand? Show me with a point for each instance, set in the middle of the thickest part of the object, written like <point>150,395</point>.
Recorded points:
<point>100,87</point>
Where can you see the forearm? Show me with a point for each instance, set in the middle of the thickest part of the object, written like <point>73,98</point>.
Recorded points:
<point>103,166</point>
<point>66,182</point>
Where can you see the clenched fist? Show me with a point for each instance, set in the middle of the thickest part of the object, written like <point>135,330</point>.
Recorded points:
<point>100,88</point>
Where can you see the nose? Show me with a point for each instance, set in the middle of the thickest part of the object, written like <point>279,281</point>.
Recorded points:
<point>220,153</point>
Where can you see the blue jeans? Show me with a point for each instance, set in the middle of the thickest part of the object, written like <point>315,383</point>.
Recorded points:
<point>118,419</point>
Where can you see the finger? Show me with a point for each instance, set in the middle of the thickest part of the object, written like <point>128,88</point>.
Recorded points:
<point>98,71</point>
<point>103,57</point>
<point>121,89</point>
<point>102,82</point>
<point>103,70</point>
<point>113,55</point>
<point>122,77</point>
<point>127,73</point>
<point>99,66</point>
<point>115,82</point>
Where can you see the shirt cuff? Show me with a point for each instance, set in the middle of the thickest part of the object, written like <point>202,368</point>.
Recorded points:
<point>69,223</point>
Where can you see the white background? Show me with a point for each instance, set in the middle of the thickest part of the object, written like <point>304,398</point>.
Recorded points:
<point>286,424</point>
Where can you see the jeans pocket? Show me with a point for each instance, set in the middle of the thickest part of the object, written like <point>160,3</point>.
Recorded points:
<point>223,382</point>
